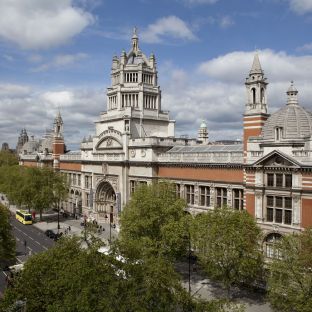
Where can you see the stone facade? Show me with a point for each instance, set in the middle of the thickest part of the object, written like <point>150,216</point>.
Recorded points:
<point>269,174</point>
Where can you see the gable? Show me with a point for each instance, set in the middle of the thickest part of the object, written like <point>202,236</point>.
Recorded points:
<point>108,143</point>
<point>277,159</point>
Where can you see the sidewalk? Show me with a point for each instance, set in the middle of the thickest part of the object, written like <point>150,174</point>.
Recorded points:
<point>75,225</point>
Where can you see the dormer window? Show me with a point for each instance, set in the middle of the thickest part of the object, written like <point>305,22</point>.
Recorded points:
<point>278,133</point>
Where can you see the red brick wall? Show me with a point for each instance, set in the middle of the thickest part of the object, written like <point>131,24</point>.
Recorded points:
<point>202,174</point>
<point>306,216</point>
<point>70,166</point>
<point>250,204</point>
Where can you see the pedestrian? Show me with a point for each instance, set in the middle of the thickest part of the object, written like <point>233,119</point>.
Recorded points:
<point>25,246</point>
<point>65,231</point>
<point>69,228</point>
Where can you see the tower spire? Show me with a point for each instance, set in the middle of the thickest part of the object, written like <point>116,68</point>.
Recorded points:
<point>135,40</point>
<point>256,66</point>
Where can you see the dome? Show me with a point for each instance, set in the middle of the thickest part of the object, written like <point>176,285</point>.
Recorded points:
<point>294,120</point>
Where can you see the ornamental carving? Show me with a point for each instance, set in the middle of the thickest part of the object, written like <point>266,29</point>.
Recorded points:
<point>132,153</point>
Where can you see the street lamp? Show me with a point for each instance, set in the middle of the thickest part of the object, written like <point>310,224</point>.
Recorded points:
<point>110,227</point>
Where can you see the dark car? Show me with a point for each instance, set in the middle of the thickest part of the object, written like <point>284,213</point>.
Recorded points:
<point>53,235</point>
<point>50,234</point>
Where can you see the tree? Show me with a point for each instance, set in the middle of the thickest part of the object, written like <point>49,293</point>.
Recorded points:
<point>34,188</point>
<point>155,218</point>
<point>290,279</point>
<point>227,242</point>
<point>7,159</point>
<point>70,278</point>
<point>7,241</point>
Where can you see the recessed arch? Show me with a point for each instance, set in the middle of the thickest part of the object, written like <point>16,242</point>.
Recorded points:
<point>105,201</point>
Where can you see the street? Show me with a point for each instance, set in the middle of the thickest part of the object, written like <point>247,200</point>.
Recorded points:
<point>35,240</point>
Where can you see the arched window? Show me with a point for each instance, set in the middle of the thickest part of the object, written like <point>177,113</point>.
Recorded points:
<point>262,95</point>
<point>278,133</point>
<point>270,249</point>
<point>253,93</point>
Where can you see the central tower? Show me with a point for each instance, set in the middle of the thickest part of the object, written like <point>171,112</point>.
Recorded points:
<point>134,95</point>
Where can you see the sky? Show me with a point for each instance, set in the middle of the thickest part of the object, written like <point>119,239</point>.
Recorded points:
<point>58,54</point>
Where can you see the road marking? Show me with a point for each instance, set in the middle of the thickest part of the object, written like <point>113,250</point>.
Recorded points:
<point>29,237</point>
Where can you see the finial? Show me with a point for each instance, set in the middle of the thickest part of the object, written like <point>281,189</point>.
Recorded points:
<point>134,31</point>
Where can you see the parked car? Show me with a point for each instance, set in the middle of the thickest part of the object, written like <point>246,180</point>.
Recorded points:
<point>53,235</point>
<point>50,233</point>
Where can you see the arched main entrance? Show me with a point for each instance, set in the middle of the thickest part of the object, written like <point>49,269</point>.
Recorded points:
<point>105,202</point>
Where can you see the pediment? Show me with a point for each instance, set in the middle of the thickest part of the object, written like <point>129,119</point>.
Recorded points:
<point>108,143</point>
<point>277,159</point>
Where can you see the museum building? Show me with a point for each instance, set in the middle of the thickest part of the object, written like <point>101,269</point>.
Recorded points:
<point>269,174</point>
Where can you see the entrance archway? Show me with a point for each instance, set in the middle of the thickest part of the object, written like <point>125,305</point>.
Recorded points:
<point>105,201</point>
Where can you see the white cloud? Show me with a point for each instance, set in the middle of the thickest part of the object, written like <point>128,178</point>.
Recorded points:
<point>170,26</point>
<point>305,48</point>
<point>35,58</point>
<point>12,90</point>
<point>37,24</point>
<point>61,60</point>
<point>226,21</point>
<point>215,91</point>
<point>23,106</point>
<point>301,6</point>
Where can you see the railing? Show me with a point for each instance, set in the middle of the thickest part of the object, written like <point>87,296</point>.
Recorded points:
<point>70,157</point>
<point>202,157</point>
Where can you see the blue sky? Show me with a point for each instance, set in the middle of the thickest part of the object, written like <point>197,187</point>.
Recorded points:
<point>58,54</point>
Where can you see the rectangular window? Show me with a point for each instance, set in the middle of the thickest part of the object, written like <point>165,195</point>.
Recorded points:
<point>238,199</point>
<point>288,180</point>
<point>270,179</point>
<point>86,182</point>
<point>221,196</point>
<point>279,209</point>
<point>279,180</point>
<point>278,215</point>
<point>279,202</point>
<point>79,179</point>
<point>288,216</point>
<point>190,194</point>
<point>270,214</point>
<point>204,193</point>
<point>132,186</point>
<point>178,190</point>
<point>87,200</point>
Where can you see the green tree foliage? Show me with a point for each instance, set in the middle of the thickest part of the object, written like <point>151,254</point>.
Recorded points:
<point>7,241</point>
<point>7,159</point>
<point>70,278</point>
<point>227,243</point>
<point>290,280</point>
<point>155,218</point>
<point>33,188</point>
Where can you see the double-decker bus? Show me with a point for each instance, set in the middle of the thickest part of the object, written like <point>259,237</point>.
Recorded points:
<point>23,216</point>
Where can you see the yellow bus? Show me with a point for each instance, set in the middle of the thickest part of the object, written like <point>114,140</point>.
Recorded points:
<point>23,216</point>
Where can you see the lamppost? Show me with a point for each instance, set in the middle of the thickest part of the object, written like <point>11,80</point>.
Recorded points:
<point>58,217</point>
<point>189,263</point>
<point>110,226</point>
